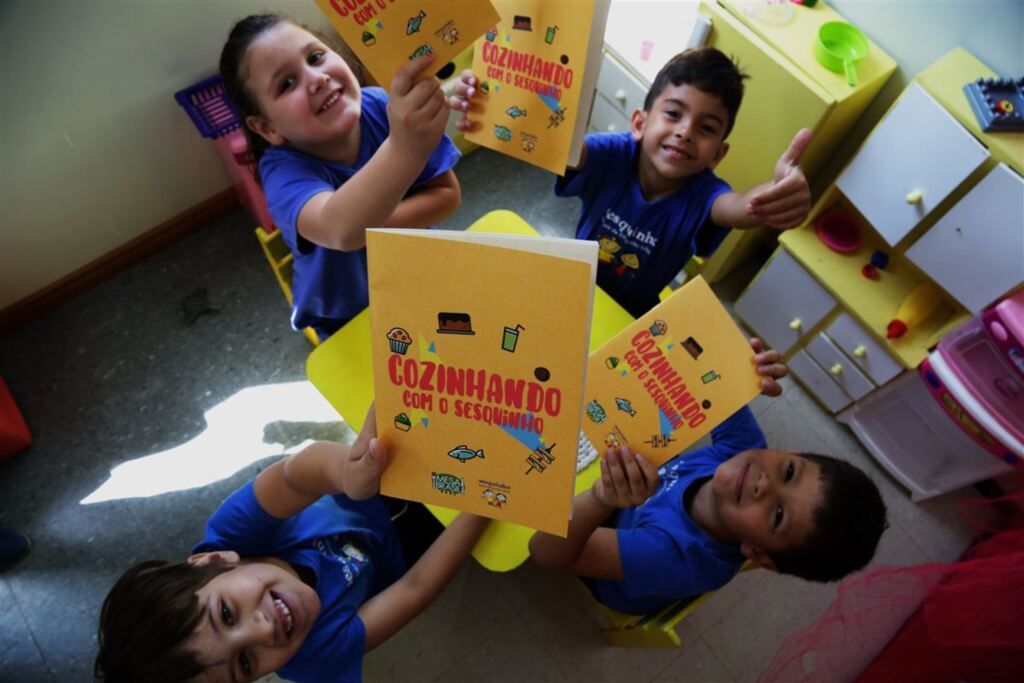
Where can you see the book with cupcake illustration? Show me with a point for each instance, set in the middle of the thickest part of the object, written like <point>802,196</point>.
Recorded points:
<point>478,378</point>
<point>537,69</point>
<point>670,377</point>
<point>385,34</point>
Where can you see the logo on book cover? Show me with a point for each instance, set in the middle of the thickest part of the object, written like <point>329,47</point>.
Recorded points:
<point>447,483</point>
<point>495,493</point>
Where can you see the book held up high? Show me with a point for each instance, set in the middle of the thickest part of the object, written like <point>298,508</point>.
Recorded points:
<point>670,377</point>
<point>537,69</point>
<point>385,34</point>
<point>478,374</point>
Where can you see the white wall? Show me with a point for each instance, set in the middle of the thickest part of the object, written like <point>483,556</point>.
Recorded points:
<point>93,148</point>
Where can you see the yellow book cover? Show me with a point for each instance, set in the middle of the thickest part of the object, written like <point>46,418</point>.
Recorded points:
<point>478,371</point>
<point>385,34</point>
<point>670,377</point>
<point>537,70</point>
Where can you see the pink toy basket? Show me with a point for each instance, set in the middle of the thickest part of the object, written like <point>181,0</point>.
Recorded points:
<point>215,117</point>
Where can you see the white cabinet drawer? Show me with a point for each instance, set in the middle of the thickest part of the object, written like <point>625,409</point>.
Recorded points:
<point>783,302</point>
<point>818,382</point>
<point>918,148</point>
<point>623,90</point>
<point>604,118</point>
<point>863,350</point>
<point>842,371</point>
<point>976,251</point>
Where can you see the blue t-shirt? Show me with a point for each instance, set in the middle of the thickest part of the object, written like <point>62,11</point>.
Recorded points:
<point>643,245</point>
<point>330,286</point>
<point>350,546</point>
<point>665,556</point>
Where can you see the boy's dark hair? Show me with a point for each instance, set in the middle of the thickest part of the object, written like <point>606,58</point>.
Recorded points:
<point>147,617</point>
<point>847,525</point>
<point>708,69</point>
<point>232,55</point>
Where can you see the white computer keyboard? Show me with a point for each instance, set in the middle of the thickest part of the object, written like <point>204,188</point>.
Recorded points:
<point>585,452</point>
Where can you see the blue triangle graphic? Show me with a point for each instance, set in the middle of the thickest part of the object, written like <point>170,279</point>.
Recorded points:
<point>425,421</point>
<point>666,424</point>
<point>551,102</point>
<point>527,437</point>
<point>432,348</point>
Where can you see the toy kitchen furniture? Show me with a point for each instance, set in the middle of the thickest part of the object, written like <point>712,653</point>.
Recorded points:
<point>787,90</point>
<point>937,203</point>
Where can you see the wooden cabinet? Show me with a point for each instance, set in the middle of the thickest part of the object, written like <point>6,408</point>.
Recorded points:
<point>784,302</point>
<point>982,233</point>
<point>911,162</point>
<point>786,90</point>
<point>940,201</point>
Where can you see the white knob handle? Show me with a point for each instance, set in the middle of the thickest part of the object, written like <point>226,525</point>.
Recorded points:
<point>860,351</point>
<point>610,128</point>
<point>620,95</point>
<point>795,324</point>
<point>914,197</point>
<point>836,370</point>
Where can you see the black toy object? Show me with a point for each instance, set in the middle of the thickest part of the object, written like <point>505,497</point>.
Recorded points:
<point>998,103</point>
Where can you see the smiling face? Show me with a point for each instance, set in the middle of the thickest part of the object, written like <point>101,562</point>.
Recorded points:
<point>681,135</point>
<point>764,500</point>
<point>256,617</point>
<point>305,92</point>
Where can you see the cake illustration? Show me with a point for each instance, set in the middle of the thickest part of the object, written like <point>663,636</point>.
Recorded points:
<point>659,327</point>
<point>403,422</point>
<point>454,323</point>
<point>399,339</point>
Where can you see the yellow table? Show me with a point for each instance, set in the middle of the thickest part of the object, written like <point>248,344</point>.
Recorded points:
<point>341,369</point>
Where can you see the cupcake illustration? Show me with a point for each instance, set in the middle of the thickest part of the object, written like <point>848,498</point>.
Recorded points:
<point>403,422</point>
<point>659,327</point>
<point>399,339</point>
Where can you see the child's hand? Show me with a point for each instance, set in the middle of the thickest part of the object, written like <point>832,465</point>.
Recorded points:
<point>465,89</point>
<point>416,111</point>
<point>769,366</point>
<point>365,462</point>
<point>627,479</point>
<point>787,201</point>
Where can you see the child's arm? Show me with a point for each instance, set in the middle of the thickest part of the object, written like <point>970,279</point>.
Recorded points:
<point>465,89</point>
<point>427,205</point>
<point>417,116</point>
<point>394,607</point>
<point>627,480</point>
<point>323,468</point>
<point>782,203</point>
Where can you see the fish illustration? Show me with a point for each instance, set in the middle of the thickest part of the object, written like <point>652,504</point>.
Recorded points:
<point>421,50</point>
<point>463,453</point>
<point>414,23</point>
<point>502,133</point>
<point>625,406</point>
<point>515,112</point>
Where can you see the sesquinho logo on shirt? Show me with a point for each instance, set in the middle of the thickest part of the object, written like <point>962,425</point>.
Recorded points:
<point>613,222</point>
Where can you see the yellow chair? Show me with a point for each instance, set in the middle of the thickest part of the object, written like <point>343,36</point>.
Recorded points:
<point>280,259</point>
<point>653,630</point>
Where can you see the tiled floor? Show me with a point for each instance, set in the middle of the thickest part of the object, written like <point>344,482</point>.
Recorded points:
<point>118,375</point>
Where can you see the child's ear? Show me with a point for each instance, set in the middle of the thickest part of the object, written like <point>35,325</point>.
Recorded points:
<point>265,129</point>
<point>637,123</point>
<point>229,557</point>
<point>757,556</point>
<point>722,149</point>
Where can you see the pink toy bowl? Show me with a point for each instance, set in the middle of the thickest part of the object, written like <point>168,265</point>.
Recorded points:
<point>838,231</point>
